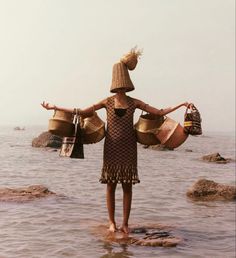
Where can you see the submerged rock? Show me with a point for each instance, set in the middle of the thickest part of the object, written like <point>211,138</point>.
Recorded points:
<point>46,139</point>
<point>24,194</point>
<point>155,235</point>
<point>188,150</point>
<point>208,190</point>
<point>157,238</point>
<point>215,157</point>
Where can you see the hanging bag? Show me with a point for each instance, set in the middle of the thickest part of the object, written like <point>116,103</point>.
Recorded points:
<point>192,121</point>
<point>73,146</point>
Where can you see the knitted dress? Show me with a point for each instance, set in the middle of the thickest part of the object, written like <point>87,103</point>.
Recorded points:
<point>120,147</point>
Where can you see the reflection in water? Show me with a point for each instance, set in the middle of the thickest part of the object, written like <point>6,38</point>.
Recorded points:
<point>123,253</point>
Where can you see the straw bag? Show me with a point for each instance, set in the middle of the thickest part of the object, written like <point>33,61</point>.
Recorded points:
<point>146,128</point>
<point>62,124</point>
<point>93,129</point>
<point>192,121</point>
<point>72,146</point>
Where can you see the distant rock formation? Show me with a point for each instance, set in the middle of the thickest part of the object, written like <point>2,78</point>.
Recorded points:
<point>17,128</point>
<point>216,157</point>
<point>46,139</point>
<point>24,194</point>
<point>208,190</point>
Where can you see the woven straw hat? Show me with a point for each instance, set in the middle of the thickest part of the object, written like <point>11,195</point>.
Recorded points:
<point>120,78</point>
<point>120,74</point>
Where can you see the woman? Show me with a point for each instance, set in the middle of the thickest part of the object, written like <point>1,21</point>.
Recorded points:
<point>120,146</point>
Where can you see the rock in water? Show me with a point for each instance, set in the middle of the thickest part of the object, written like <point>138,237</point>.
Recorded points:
<point>154,235</point>
<point>208,190</point>
<point>46,139</point>
<point>215,157</point>
<point>24,194</point>
<point>157,238</point>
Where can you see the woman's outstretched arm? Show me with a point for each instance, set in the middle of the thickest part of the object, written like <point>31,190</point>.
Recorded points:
<point>159,112</point>
<point>83,112</point>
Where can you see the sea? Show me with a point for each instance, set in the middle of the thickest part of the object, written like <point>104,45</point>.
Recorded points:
<point>68,225</point>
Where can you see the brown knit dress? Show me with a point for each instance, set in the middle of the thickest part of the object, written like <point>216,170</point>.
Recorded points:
<point>120,147</point>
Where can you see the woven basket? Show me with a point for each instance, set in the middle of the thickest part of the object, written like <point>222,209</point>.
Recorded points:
<point>146,128</point>
<point>192,121</point>
<point>62,124</point>
<point>130,60</point>
<point>93,129</point>
<point>121,78</point>
<point>171,134</point>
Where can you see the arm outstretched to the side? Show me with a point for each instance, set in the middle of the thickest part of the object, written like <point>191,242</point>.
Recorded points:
<point>83,112</point>
<point>159,112</point>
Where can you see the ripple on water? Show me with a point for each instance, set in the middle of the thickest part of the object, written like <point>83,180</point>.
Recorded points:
<point>61,227</point>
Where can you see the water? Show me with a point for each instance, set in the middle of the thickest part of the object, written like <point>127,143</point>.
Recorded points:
<point>64,226</point>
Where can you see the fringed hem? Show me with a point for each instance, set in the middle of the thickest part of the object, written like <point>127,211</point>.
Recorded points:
<point>119,174</point>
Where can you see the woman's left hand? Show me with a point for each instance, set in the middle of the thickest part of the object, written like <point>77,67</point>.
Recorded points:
<point>187,104</point>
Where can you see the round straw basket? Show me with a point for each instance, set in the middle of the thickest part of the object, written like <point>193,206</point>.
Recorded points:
<point>146,128</point>
<point>171,134</point>
<point>93,129</point>
<point>131,63</point>
<point>62,124</point>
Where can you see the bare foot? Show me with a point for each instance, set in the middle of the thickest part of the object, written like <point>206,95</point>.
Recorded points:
<point>125,229</point>
<point>112,227</point>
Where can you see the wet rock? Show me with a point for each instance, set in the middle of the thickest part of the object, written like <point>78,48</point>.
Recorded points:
<point>24,194</point>
<point>46,139</point>
<point>163,241</point>
<point>208,190</point>
<point>157,238</point>
<point>215,157</point>
<point>155,235</point>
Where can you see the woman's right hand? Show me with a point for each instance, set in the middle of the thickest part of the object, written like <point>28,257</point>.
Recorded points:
<point>48,106</point>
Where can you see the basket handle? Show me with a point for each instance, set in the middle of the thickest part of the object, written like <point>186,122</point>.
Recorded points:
<point>54,113</point>
<point>190,107</point>
<point>143,110</point>
<point>76,120</point>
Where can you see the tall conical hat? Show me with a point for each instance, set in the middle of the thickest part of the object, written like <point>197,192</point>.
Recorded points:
<point>120,74</point>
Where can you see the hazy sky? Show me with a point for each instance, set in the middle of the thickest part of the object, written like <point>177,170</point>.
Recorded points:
<point>62,51</point>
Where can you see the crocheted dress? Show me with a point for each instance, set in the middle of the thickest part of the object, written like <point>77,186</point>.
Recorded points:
<point>120,147</point>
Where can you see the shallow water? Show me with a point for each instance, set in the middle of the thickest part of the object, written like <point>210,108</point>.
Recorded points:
<point>64,226</point>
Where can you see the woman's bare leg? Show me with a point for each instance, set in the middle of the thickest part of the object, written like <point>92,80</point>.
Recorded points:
<point>111,188</point>
<point>127,200</point>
